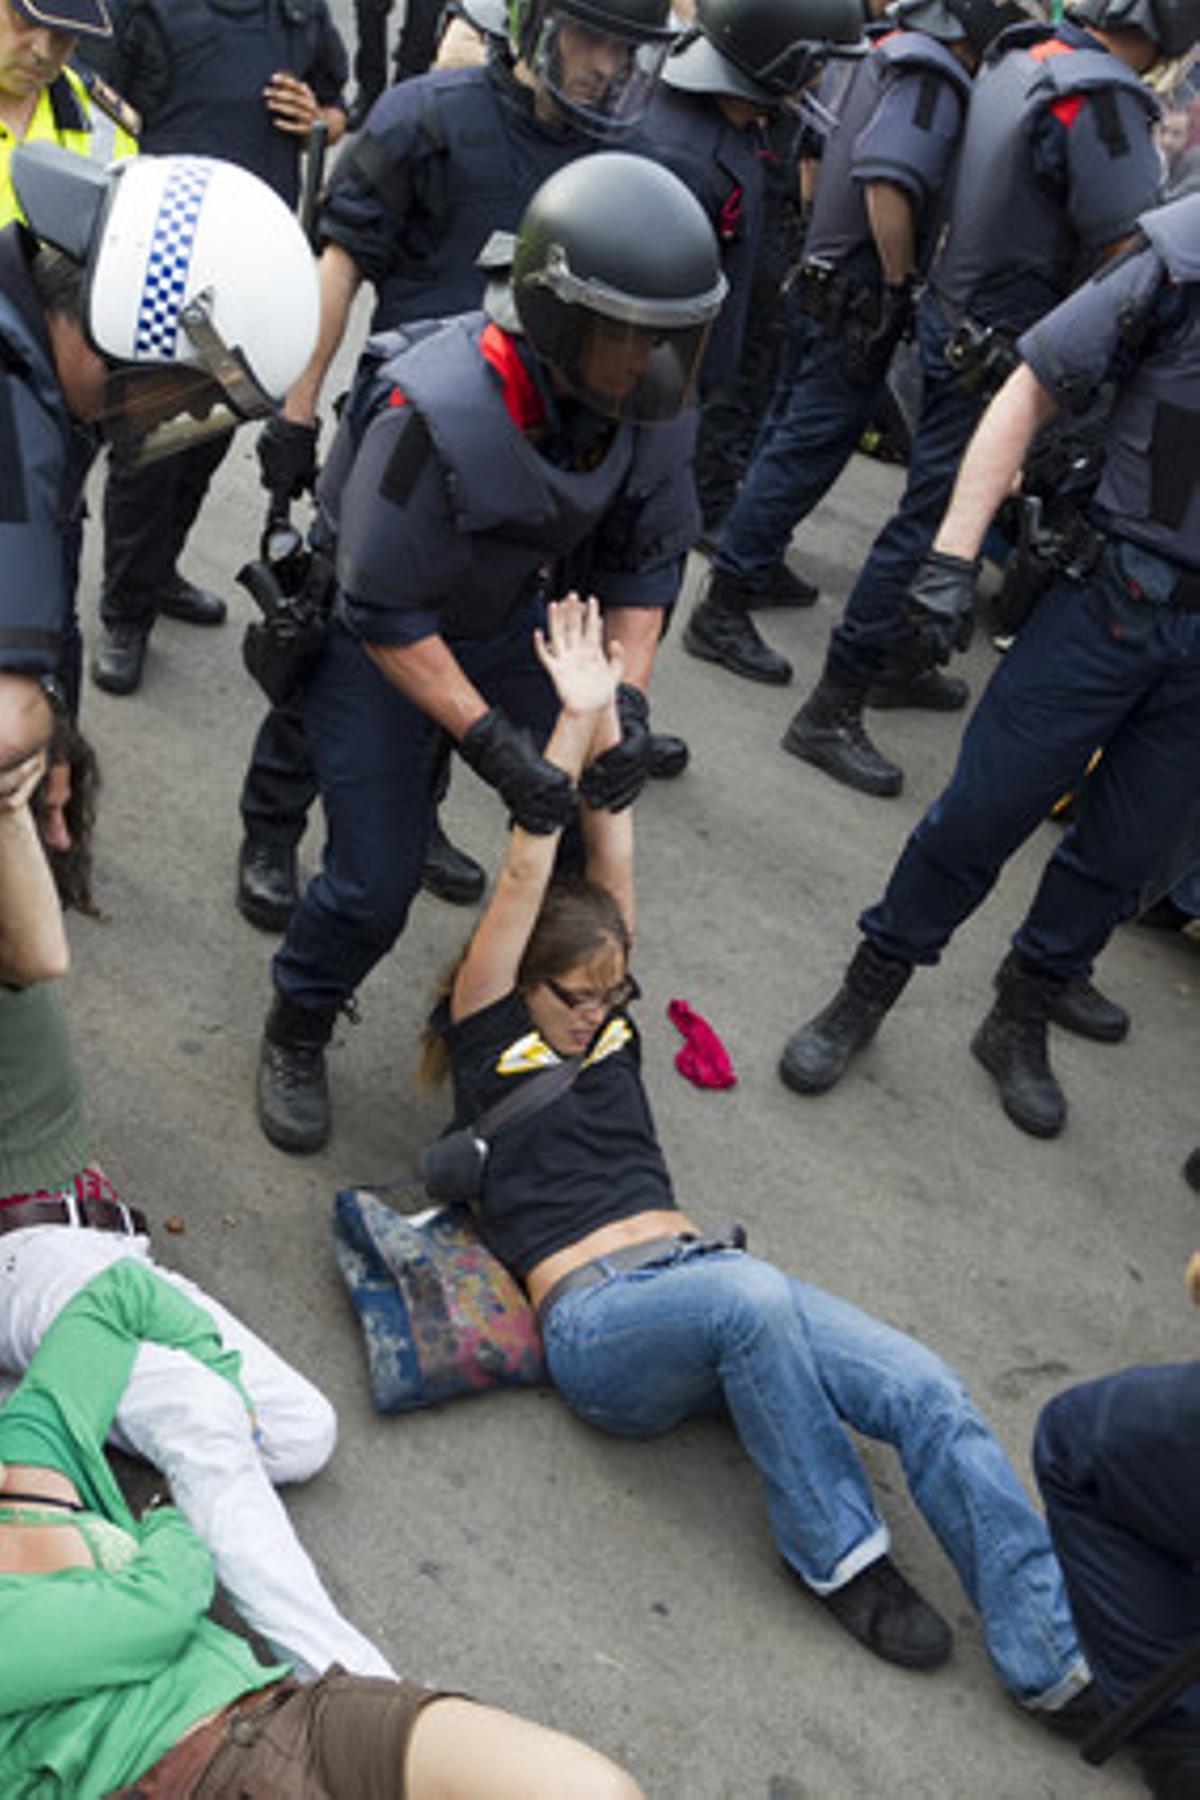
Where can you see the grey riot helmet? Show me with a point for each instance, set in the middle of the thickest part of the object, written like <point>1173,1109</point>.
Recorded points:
<point>616,280</point>
<point>978,21</point>
<point>762,50</point>
<point>597,59</point>
<point>1173,25</point>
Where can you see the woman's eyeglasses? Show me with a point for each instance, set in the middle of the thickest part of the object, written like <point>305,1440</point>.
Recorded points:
<point>601,999</point>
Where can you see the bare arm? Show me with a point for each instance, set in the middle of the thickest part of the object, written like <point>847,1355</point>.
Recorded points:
<point>33,940</point>
<point>637,629</point>
<point>429,674</point>
<point>890,214</point>
<point>993,461</point>
<point>339,280</point>
<point>586,679</point>
<point>608,836</point>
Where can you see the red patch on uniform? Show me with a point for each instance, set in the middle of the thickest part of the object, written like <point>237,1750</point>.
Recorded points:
<point>521,397</point>
<point>397,397</point>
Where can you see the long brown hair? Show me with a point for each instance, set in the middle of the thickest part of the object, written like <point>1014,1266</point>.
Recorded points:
<point>577,920</point>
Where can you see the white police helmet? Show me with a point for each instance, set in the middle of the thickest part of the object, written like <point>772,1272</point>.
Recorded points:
<point>191,265</point>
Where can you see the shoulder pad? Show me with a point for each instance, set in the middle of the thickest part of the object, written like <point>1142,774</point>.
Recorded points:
<point>1174,231</point>
<point>1089,72</point>
<point>913,49</point>
<point>111,103</point>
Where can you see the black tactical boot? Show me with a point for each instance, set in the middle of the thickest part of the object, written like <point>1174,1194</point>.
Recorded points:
<point>786,589</point>
<point>816,1056</point>
<point>293,1093</point>
<point>1191,1170</point>
<point>448,872</point>
<point>928,692</point>
<point>1011,1045</point>
<point>119,658</point>
<point>1079,1007</point>
<point>669,756</point>
<point>267,886</point>
<point>721,630</point>
<point>828,732</point>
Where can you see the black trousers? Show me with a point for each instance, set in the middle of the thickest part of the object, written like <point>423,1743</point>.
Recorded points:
<point>148,513</point>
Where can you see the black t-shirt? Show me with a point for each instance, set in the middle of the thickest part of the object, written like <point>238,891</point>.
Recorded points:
<point>588,1157</point>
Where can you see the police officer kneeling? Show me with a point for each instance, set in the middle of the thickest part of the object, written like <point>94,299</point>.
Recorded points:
<point>1110,657</point>
<point>478,466</point>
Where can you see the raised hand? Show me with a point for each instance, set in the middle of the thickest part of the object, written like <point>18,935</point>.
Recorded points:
<point>573,654</point>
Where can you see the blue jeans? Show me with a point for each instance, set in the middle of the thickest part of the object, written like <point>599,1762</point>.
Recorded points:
<point>863,645</point>
<point>1076,678</point>
<point>1118,1461</point>
<point>816,420</point>
<point>716,1331</point>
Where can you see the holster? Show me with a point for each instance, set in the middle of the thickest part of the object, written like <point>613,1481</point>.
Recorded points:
<point>821,291</point>
<point>981,356</point>
<point>281,650</point>
<point>1051,538</point>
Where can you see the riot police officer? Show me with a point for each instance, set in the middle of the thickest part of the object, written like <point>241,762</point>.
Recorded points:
<point>1057,161</point>
<point>740,63</point>
<point>93,331</point>
<point>252,81</point>
<point>442,162</point>
<point>885,168</point>
<point>475,465</point>
<point>1110,657</point>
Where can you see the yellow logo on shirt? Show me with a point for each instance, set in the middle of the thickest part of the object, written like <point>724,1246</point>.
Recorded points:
<point>533,1052</point>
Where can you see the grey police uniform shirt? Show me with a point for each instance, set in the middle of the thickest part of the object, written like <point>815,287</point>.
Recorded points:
<point>899,120</point>
<point>1057,162</point>
<point>1139,324</point>
<point>442,161</point>
<point>448,528</point>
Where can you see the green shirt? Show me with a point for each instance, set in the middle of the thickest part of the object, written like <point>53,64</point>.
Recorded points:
<point>43,1127</point>
<point>102,1673</point>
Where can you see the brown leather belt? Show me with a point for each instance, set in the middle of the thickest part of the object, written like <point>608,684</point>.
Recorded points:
<point>178,1771</point>
<point>61,1209</point>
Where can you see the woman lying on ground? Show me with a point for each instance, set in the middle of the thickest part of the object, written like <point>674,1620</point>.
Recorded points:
<point>648,1321</point>
<point>110,1672</point>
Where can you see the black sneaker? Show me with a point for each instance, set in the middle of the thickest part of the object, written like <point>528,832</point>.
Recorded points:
<point>887,1615</point>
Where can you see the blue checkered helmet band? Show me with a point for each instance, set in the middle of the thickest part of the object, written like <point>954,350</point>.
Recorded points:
<point>165,284</point>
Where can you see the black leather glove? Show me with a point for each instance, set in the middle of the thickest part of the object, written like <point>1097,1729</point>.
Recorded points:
<point>540,797</point>
<point>617,776</point>
<point>871,329</point>
<point>287,457</point>
<point>941,607</point>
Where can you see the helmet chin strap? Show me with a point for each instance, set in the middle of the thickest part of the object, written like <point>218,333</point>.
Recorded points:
<point>226,367</point>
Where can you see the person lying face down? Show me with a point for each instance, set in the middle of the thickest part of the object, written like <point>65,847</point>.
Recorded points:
<point>647,1320</point>
<point>115,1681</point>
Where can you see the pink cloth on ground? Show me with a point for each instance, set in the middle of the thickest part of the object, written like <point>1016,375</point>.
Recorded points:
<point>703,1060</point>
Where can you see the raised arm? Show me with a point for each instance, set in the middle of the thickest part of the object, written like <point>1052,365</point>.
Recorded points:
<point>585,678</point>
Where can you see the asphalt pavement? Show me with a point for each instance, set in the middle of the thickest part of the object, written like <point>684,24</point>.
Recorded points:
<point>630,1592</point>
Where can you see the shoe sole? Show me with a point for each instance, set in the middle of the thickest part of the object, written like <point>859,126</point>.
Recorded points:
<point>263,916</point>
<point>452,896</point>
<point>120,685</point>
<point>810,753</point>
<point>880,700</point>
<point>292,1146</point>
<point>183,617</point>
<point>1038,1128</point>
<point>801,1083</point>
<point>1114,1034</point>
<point>695,647</point>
